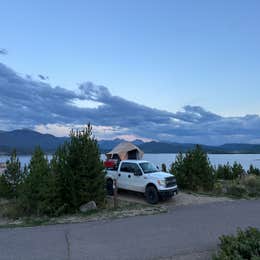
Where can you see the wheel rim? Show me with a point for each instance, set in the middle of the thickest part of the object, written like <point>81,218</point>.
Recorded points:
<point>151,195</point>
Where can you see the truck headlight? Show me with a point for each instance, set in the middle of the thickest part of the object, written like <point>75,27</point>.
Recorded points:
<point>161,182</point>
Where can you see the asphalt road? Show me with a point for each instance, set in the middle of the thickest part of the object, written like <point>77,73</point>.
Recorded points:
<point>182,233</point>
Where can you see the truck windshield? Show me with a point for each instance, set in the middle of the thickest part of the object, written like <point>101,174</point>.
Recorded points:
<point>148,167</point>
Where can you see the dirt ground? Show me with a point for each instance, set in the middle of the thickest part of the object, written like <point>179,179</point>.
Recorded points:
<point>132,204</point>
<point>182,199</point>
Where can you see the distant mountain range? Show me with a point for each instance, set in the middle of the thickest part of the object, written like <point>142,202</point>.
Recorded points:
<point>24,141</point>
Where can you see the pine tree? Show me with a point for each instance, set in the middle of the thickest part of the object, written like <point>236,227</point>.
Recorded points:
<point>237,170</point>
<point>228,172</point>
<point>84,159</point>
<point>5,188</point>
<point>65,197</point>
<point>253,170</point>
<point>13,174</point>
<point>178,169</point>
<point>78,172</point>
<point>74,176</point>
<point>193,170</point>
<point>38,187</point>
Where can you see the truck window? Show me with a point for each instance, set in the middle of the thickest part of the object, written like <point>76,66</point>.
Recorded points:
<point>135,168</point>
<point>148,167</point>
<point>130,167</point>
<point>125,167</point>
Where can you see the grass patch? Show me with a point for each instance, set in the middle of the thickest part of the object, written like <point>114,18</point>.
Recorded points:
<point>125,209</point>
<point>247,187</point>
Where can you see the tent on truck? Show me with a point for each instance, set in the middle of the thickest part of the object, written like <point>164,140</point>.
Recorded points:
<point>123,151</point>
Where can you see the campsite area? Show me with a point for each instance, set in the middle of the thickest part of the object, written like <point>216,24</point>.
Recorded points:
<point>184,232</point>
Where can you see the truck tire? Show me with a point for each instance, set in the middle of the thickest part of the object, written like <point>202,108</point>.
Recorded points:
<point>151,195</point>
<point>110,189</point>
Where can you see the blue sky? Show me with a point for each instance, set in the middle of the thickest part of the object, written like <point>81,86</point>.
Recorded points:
<point>159,54</point>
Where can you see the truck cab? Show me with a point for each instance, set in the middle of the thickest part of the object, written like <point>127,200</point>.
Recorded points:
<point>142,176</point>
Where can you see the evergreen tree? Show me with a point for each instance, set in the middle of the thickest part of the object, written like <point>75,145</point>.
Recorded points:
<point>193,170</point>
<point>25,171</point>
<point>65,196</point>
<point>253,170</point>
<point>78,172</point>
<point>38,187</point>
<point>5,188</point>
<point>237,170</point>
<point>178,169</point>
<point>228,172</point>
<point>13,174</point>
<point>74,176</point>
<point>84,160</point>
<point>224,172</point>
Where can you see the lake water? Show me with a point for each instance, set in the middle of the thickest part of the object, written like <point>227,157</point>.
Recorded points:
<point>158,159</point>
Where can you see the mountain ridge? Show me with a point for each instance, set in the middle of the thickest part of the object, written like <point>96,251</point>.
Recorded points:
<point>25,141</point>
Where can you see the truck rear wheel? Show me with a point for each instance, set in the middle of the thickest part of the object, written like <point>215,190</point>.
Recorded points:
<point>110,189</point>
<point>151,195</point>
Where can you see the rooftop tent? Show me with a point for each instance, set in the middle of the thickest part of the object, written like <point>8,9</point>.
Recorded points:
<point>125,151</point>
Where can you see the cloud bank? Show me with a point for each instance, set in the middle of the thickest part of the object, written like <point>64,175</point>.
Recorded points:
<point>28,103</point>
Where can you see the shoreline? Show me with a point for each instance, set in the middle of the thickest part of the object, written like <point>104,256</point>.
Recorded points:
<point>103,153</point>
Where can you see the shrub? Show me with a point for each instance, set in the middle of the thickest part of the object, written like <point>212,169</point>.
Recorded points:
<point>243,245</point>
<point>236,190</point>
<point>218,188</point>
<point>193,170</point>
<point>252,184</point>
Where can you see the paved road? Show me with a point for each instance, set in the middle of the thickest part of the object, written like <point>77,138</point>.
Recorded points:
<point>189,230</point>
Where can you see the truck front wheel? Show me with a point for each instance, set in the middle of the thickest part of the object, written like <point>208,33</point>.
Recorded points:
<point>110,189</point>
<point>151,195</point>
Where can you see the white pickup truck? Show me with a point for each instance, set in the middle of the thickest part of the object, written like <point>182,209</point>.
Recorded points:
<point>142,176</point>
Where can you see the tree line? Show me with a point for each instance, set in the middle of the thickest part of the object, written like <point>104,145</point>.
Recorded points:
<point>74,176</point>
<point>194,171</point>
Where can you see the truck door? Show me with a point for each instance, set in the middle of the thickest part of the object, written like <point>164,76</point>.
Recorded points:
<point>128,180</point>
<point>124,174</point>
<point>136,181</point>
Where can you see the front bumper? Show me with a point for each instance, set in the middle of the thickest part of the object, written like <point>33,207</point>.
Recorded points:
<point>168,193</point>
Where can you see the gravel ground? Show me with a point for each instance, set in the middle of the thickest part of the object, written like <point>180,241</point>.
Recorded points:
<point>182,199</point>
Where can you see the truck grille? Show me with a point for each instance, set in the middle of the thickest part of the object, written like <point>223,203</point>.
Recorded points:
<point>170,182</point>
